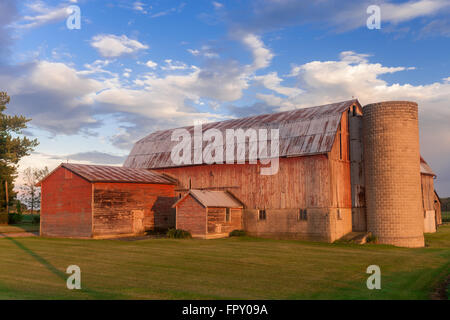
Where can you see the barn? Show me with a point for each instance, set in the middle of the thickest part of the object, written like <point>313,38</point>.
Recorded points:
<point>208,214</point>
<point>90,201</point>
<point>342,168</point>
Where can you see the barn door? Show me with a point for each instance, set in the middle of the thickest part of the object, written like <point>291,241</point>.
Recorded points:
<point>138,221</point>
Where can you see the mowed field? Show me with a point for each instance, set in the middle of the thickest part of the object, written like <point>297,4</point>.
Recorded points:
<point>233,268</point>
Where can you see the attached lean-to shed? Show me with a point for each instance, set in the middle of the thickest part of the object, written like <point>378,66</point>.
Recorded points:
<point>208,214</point>
<point>90,201</point>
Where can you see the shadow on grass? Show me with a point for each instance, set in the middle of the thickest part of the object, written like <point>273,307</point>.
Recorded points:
<point>19,228</point>
<point>60,274</point>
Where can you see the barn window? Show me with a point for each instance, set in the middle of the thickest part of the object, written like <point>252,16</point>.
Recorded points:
<point>339,214</point>
<point>302,215</point>
<point>227,215</point>
<point>67,174</point>
<point>262,215</point>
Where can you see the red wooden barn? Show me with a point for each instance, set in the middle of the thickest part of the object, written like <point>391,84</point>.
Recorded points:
<point>90,201</point>
<point>338,172</point>
<point>208,214</point>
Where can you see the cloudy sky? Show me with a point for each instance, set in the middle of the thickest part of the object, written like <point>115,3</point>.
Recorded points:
<point>138,66</point>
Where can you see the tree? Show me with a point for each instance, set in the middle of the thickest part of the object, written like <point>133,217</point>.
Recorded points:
<point>13,147</point>
<point>31,193</point>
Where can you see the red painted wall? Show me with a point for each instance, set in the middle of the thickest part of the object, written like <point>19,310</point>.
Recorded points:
<point>66,205</point>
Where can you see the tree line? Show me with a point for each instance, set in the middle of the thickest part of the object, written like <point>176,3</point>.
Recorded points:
<point>445,204</point>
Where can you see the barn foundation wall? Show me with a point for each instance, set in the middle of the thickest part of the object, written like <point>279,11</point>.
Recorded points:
<point>322,224</point>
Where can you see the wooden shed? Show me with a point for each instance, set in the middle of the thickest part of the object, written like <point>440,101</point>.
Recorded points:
<point>208,214</point>
<point>90,201</point>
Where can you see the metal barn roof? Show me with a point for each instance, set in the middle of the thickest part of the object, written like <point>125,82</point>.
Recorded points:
<point>425,168</point>
<point>302,132</point>
<point>215,199</point>
<point>97,173</point>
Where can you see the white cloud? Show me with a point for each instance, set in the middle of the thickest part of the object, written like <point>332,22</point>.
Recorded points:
<point>401,12</point>
<point>169,11</point>
<point>97,67</point>
<point>112,46</point>
<point>41,15</point>
<point>194,52</point>
<point>217,5</point>
<point>273,82</point>
<point>54,95</point>
<point>205,51</point>
<point>141,7</point>
<point>174,65</point>
<point>261,55</point>
<point>151,64</point>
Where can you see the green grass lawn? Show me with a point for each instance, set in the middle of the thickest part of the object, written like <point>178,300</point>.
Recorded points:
<point>23,227</point>
<point>233,268</point>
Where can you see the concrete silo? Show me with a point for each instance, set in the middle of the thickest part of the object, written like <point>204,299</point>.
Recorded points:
<point>392,173</point>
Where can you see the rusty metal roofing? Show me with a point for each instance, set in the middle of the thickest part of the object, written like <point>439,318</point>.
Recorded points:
<point>213,199</point>
<point>302,132</point>
<point>97,173</point>
<point>425,168</point>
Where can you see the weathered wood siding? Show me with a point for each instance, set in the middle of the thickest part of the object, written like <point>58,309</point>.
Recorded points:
<point>302,182</point>
<point>339,160</point>
<point>341,189</point>
<point>218,224</point>
<point>437,208</point>
<point>430,203</point>
<point>191,216</point>
<point>66,205</point>
<point>117,205</point>
<point>428,195</point>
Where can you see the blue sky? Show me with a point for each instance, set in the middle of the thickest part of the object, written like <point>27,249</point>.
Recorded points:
<point>139,66</point>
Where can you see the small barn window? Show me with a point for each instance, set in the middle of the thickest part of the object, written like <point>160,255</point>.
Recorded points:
<point>302,215</point>
<point>227,215</point>
<point>262,215</point>
<point>339,214</point>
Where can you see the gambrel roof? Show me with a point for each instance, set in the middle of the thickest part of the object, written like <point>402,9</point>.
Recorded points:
<point>302,132</point>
